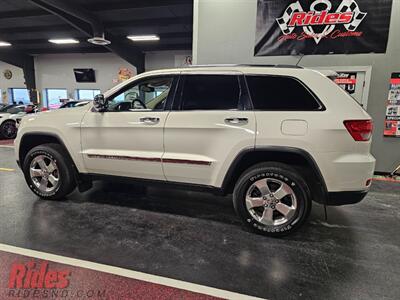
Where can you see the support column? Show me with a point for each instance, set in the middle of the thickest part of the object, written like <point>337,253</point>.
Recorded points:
<point>26,63</point>
<point>30,82</point>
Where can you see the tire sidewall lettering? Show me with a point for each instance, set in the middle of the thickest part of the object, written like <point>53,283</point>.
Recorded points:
<point>32,186</point>
<point>274,175</point>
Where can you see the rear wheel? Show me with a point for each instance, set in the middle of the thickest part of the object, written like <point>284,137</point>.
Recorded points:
<point>49,172</point>
<point>272,199</point>
<point>8,130</point>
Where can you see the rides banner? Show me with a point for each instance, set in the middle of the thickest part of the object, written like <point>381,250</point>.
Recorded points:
<point>296,27</point>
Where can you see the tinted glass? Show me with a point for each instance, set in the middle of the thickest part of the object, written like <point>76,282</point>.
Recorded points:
<point>16,109</point>
<point>210,92</point>
<point>6,107</point>
<point>280,93</point>
<point>148,94</point>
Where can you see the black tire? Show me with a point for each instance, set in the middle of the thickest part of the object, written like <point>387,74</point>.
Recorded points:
<point>276,173</point>
<point>65,171</point>
<point>8,129</point>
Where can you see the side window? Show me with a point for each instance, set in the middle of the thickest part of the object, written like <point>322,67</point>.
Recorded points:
<point>280,93</point>
<point>210,92</point>
<point>147,95</point>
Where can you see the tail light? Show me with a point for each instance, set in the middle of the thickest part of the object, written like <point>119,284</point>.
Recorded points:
<point>360,130</point>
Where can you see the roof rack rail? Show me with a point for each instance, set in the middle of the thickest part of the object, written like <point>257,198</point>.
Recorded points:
<point>247,65</point>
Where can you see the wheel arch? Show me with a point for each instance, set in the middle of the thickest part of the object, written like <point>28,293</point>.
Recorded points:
<point>32,139</point>
<point>8,120</point>
<point>300,159</point>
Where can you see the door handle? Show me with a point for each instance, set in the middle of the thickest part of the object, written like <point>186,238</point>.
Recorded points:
<point>149,120</point>
<point>237,121</point>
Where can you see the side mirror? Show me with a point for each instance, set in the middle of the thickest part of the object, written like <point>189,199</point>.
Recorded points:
<point>100,103</point>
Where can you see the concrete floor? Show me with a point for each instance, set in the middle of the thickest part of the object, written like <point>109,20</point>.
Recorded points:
<point>196,237</point>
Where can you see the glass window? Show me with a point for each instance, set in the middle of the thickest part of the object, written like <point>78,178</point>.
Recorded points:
<point>54,96</point>
<point>150,94</point>
<point>280,93</point>
<point>6,107</point>
<point>16,109</point>
<point>210,92</point>
<point>87,94</point>
<point>20,96</point>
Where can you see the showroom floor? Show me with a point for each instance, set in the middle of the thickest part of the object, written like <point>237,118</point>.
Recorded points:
<point>196,237</point>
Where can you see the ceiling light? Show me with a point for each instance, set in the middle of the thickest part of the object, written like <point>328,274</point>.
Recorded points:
<point>99,40</point>
<point>143,38</point>
<point>4,44</point>
<point>64,41</point>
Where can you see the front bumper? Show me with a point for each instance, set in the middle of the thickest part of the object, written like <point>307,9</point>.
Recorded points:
<point>345,198</point>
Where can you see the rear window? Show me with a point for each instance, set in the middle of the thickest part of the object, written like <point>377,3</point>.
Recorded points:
<point>280,93</point>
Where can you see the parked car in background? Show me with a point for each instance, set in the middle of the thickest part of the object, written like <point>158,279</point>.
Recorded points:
<point>74,103</point>
<point>8,128</point>
<point>10,116</point>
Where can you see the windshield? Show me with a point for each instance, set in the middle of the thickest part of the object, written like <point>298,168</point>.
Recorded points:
<point>4,109</point>
<point>15,109</point>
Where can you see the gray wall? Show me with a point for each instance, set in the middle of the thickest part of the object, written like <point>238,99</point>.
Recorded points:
<point>56,70</point>
<point>224,32</point>
<point>17,80</point>
<point>166,59</point>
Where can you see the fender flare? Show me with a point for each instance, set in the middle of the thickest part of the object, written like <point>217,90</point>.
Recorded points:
<point>39,133</point>
<point>281,150</point>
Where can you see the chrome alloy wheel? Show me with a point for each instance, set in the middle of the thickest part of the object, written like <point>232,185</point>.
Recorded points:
<point>44,173</point>
<point>271,201</point>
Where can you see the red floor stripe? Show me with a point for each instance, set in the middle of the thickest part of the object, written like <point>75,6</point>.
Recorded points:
<point>7,142</point>
<point>386,179</point>
<point>31,278</point>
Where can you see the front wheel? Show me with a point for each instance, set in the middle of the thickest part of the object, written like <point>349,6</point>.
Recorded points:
<point>49,172</point>
<point>272,199</point>
<point>8,130</point>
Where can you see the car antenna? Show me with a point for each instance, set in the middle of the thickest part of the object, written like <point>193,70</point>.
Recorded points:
<point>301,57</point>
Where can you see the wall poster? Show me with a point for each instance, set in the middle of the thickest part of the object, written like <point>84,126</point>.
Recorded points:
<point>347,81</point>
<point>296,27</point>
<point>392,122</point>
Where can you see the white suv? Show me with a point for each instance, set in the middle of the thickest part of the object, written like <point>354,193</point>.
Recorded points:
<point>276,137</point>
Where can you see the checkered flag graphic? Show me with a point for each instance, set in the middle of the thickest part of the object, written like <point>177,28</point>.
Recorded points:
<point>287,15</point>
<point>352,6</point>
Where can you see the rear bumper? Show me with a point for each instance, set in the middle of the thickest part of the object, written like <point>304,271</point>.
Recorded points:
<point>345,198</point>
<point>346,172</point>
